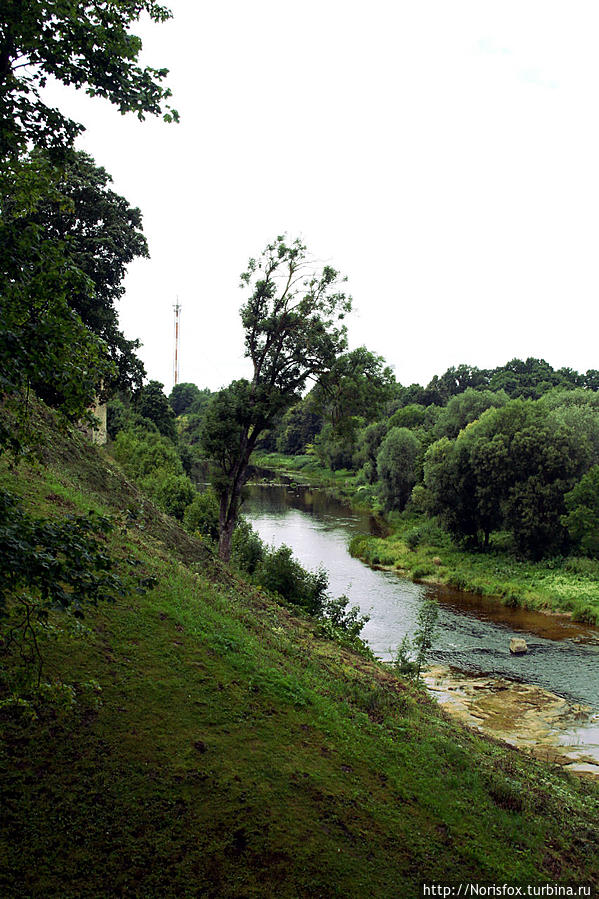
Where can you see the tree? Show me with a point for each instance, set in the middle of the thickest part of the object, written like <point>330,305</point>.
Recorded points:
<point>357,385</point>
<point>183,396</point>
<point>582,519</point>
<point>86,44</point>
<point>65,242</point>
<point>44,344</point>
<point>411,416</point>
<point>352,394</point>
<point>466,407</point>
<point>53,282</point>
<point>151,403</point>
<point>369,443</point>
<point>100,234</point>
<point>298,428</point>
<point>457,380</point>
<point>510,468</point>
<point>293,322</point>
<point>450,485</point>
<point>530,379</point>
<point>398,463</point>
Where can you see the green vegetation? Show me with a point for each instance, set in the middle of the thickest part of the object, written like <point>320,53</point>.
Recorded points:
<point>202,737</point>
<point>494,492</point>
<point>412,653</point>
<point>294,331</point>
<point>173,726</point>
<point>421,550</point>
<point>418,547</point>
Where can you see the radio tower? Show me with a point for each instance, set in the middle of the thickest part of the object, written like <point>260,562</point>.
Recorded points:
<point>177,309</point>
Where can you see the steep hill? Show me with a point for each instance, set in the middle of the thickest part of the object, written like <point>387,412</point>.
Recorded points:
<point>220,746</point>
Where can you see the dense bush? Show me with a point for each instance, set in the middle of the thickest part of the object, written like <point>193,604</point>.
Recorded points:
<point>247,547</point>
<point>278,572</point>
<point>201,515</point>
<point>142,451</point>
<point>45,565</point>
<point>171,492</point>
<point>151,403</point>
<point>155,463</point>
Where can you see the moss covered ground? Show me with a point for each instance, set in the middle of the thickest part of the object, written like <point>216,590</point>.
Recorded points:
<point>219,746</point>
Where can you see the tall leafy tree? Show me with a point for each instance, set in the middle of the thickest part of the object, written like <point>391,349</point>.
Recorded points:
<point>398,464</point>
<point>510,468</point>
<point>466,407</point>
<point>531,378</point>
<point>353,393</point>
<point>65,238</point>
<point>183,396</point>
<point>298,428</point>
<point>294,331</point>
<point>100,234</point>
<point>358,385</point>
<point>85,43</point>
<point>456,380</point>
<point>44,344</point>
<point>150,402</point>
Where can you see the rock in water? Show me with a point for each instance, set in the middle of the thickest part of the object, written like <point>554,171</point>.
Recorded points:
<point>518,646</point>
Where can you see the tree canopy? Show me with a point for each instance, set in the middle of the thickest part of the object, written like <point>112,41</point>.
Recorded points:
<point>65,236</point>
<point>398,461</point>
<point>100,235</point>
<point>87,44</point>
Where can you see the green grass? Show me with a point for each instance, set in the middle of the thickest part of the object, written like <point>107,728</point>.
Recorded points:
<point>566,584</point>
<point>418,549</point>
<point>236,753</point>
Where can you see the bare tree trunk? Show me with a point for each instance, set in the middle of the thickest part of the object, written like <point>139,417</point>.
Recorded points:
<point>224,540</point>
<point>229,511</point>
<point>230,501</point>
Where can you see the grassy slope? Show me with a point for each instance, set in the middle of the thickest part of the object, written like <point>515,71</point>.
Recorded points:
<point>568,585</point>
<point>236,753</point>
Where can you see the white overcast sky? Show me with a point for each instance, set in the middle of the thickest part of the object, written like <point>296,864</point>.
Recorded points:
<point>444,155</point>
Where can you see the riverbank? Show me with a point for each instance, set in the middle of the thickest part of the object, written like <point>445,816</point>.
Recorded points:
<point>417,548</point>
<point>214,741</point>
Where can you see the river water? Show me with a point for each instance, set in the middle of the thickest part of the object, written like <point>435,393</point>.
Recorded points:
<point>473,632</point>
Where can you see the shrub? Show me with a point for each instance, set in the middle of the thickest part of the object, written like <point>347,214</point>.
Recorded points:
<point>201,515</point>
<point>280,573</point>
<point>398,462</point>
<point>420,644</point>
<point>247,549</point>
<point>142,452</point>
<point>412,538</point>
<point>172,492</point>
<point>45,565</point>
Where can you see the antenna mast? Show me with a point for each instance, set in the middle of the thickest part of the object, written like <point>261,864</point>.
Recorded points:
<point>177,308</point>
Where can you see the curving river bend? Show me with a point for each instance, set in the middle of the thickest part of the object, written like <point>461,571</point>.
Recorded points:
<point>473,632</point>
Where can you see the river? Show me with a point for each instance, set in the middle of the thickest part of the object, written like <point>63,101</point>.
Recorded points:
<point>473,632</point>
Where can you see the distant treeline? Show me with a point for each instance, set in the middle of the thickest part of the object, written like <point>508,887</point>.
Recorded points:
<point>512,449</point>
